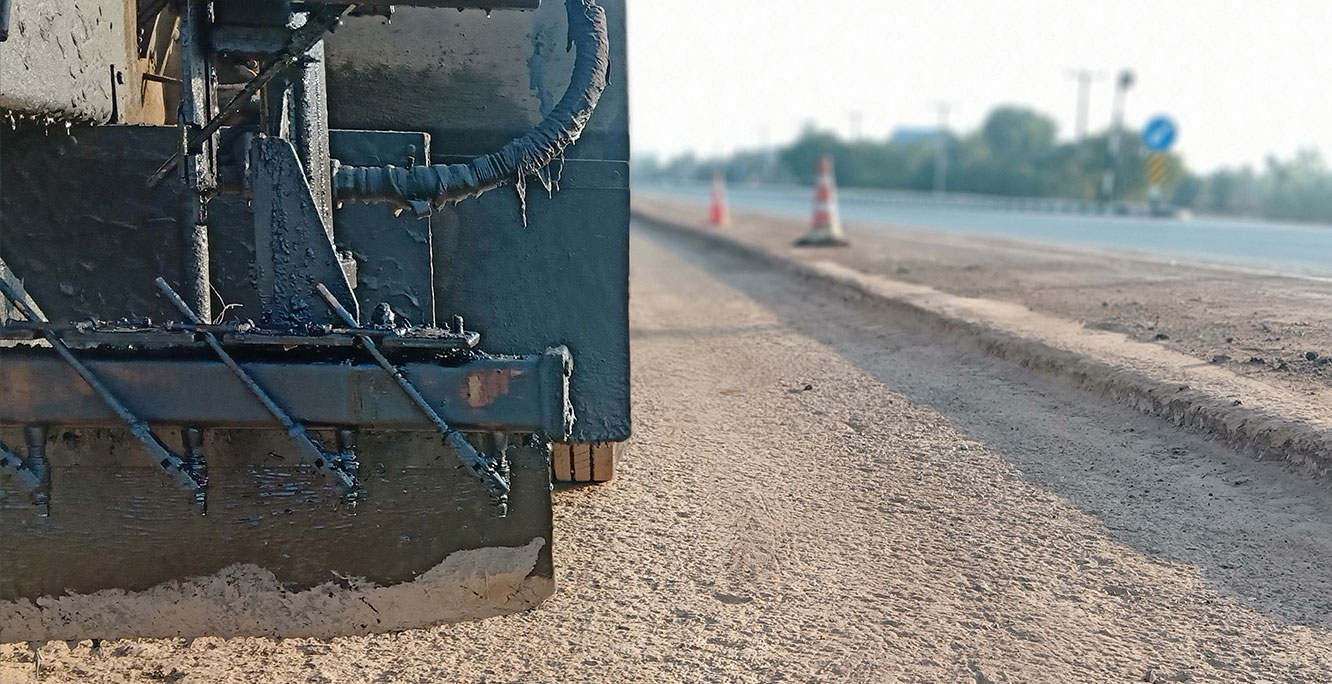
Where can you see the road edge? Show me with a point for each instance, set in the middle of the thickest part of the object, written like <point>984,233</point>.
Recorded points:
<point>1251,431</point>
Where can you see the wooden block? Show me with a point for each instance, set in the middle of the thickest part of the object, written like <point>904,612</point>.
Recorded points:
<point>603,460</point>
<point>582,462</point>
<point>585,462</point>
<point>562,461</point>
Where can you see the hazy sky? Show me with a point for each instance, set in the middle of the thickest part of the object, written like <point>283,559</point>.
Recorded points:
<point>1243,78</point>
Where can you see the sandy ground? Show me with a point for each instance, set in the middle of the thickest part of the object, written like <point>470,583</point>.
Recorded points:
<point>1259,325</point>
<point>819,493</point>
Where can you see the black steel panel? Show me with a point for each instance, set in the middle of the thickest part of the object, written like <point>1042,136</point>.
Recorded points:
<point>81,228</point>
<point>560,276</point>
<point>393,253</point>
<point>129,532</point>
<point>88,237</point>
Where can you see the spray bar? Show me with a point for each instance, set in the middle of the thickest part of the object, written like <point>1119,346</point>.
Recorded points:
<point>342,469</point>
<point>169,461</point>
<point>478,464</point>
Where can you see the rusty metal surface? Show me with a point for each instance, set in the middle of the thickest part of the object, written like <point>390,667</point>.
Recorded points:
<point>490,468</point>
<point>485,393</point>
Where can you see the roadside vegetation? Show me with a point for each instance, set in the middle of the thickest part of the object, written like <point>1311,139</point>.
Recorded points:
<point>1015,153</point>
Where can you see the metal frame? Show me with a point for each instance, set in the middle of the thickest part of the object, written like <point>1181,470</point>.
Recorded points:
<point>485,393</point>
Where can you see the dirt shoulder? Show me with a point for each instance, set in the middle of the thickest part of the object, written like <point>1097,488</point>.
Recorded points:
<point>1261,326</point>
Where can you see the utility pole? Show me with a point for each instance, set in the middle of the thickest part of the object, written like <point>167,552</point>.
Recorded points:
<point>941,150</point>
<point>769,154</point>
<point>1110,181</point>
<point>1084,78</point>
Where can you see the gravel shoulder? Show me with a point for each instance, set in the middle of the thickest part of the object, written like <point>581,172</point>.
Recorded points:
<point>1262,326</point>
<point>820,492</point>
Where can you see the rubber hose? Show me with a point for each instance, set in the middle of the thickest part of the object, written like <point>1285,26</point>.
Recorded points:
<point>440,184</point>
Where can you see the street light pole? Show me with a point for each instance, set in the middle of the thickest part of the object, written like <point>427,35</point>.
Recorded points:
<point>941,151</point>
<point>1110,181</point>
<point>1084,78</point>
<point>857,119</point>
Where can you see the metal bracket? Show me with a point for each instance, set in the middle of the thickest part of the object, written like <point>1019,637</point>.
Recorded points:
<point>302,39</point>
<point>33,473</point>
<point>293,252</point>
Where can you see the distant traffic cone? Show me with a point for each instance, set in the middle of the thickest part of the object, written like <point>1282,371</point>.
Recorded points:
<point>718,215</point>
<point>826,228</point>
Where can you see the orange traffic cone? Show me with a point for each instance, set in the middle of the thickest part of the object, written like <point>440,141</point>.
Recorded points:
<point>718,215</point>
<point>826,228</point>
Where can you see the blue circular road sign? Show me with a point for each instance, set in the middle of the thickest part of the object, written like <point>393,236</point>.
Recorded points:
<point>1159,133</point>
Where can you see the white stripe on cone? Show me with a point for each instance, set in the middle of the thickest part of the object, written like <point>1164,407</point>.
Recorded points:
<point>826,226</point>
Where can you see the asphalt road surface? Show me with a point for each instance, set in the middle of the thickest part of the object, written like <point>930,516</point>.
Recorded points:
<point>818,492</point>
<point>1292,248</point>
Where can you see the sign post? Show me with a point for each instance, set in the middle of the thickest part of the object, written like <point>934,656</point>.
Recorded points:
<point>1158,135</point>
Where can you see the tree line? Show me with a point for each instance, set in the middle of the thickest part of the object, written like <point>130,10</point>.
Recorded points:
<point>1015,153</point>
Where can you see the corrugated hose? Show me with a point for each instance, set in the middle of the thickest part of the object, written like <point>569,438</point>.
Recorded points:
<point>440,184</point>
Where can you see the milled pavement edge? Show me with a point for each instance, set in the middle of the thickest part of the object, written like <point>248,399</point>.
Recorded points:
<point>1245,429</point>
